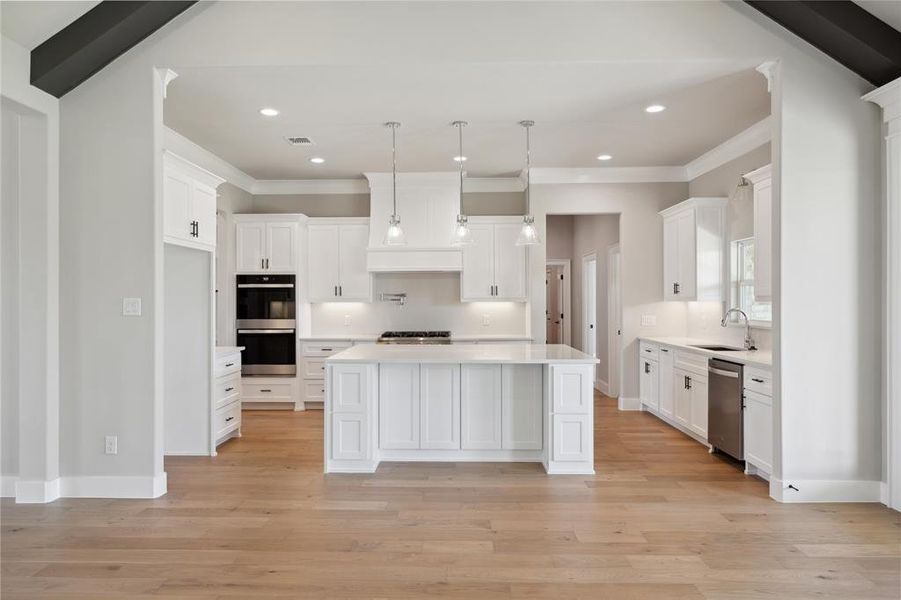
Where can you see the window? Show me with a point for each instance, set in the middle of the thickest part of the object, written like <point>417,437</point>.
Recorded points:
<point>760,313</point>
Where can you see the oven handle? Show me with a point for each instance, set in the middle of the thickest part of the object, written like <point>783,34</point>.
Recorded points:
<point>265,285</point>
<point>265,331</point>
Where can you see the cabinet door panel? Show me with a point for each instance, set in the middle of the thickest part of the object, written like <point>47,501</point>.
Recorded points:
<point>670,257</point>
<point>281,246</point>
<point>477,278</point>
<point>758,431</point>
<point>399,406</point>
<point>350,437</point>
<point>573,438</point>
<point>698,393</point>
<point>355,280</point>
<point>480,400</point>
<point>440,407</point>
<point>572,387</point>
<point>509,263</point>
<point>665,383</point>
<point>687,256</point>
<point>250,241</point>
<point>350,388</point>
<point>682,397</point>
<point>322,265</point>
<point>177,205</point>
<point>203,210</point>
<point>522,407</point>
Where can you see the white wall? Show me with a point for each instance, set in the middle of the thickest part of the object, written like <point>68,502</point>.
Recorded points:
<point>187,351</point>
<point>433,302</point>
<point>641,243</point>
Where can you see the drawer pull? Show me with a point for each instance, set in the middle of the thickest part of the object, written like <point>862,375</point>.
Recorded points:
<point>664,350</point>
<point>229,365</point>
<point>265,390</point>
<point>647,350</point>
<point>227,419</point>
<point>326,349</point>
<point>755,379</point>
<point>228,389</point>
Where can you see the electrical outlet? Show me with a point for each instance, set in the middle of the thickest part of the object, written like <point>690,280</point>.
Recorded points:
<point>486,320</point>
<point>347,320</point>
<point>131,307</point>
<point>648,320</point>
<point>111,445</point>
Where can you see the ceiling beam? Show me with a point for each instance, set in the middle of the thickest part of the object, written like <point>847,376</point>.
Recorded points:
<point>96,39</point>
<point>843,30</point>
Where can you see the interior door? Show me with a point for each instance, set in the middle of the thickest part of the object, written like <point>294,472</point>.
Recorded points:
<point>281,246</point>
<point>477,278</point>
<point>203,210</point>
<point>554,303</point>
<point>509,264</point>
<point>590,308</point>
<point>322,267</point>
<point>614,321</point>
<point>250,241</point>
<point>355,280</point>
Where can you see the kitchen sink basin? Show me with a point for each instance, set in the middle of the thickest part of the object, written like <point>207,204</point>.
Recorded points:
<point>717,347</point>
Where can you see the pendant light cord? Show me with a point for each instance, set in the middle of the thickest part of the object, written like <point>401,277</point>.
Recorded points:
<point>460,125</point>
<point>394,169</point>
<point>528,125</point>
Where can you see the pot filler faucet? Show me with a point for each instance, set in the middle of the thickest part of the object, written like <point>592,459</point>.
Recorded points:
<point>749,341</point>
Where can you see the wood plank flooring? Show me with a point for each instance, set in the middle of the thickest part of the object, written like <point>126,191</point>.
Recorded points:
<point>661,520</point>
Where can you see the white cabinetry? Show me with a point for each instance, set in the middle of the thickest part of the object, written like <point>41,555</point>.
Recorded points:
<point>649,386</point>
<point>480,407</point>
<point>694,250</point>
<point>758,421</point>
<point>494,267</point>
<point>189,203</point>
<point>398,406</point>
<point>267,243</point>
<point>762,181</point>
<point>312,370</point>
<point>226,398</point>
<point>571,430</point>
<point>690,400</point>
<point>352,392</point>
<point>337,260</point>
<point>439,409</point>
<point>665,381</point>
<point>521,407</point>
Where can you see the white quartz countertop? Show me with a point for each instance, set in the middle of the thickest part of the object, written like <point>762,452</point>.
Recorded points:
<point>463,353</point>
<point>371,337</point>
<point>226,350</point>
<point>359,337</point>
<point>754,358</point>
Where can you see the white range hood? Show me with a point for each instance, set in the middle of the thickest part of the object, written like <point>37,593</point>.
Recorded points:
<point>427,204</point>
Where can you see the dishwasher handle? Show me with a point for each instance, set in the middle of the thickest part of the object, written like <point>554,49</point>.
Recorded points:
<point>730,374</point>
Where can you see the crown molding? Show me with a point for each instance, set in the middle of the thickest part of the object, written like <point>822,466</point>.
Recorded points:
<point>753,137</point>
<point>310,186</point>
<point>178,144</point>
<point>889,98</point>
<point>608,175</point>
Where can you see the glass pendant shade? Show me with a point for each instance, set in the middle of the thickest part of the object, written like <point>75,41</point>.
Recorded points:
<point>462,233</point>
<point>528,235</point>
<point>394,236</point>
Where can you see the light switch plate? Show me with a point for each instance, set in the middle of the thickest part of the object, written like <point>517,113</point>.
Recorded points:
<point>131,307</point>
<point>486,320</point>
<point>648,320</point>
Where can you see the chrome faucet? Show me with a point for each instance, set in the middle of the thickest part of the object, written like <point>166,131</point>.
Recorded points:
<point>749,341</point>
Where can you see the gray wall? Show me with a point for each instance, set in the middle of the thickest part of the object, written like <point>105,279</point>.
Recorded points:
<point>9,299</point>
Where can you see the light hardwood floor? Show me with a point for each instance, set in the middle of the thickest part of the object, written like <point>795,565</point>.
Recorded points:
<point>661,519</point>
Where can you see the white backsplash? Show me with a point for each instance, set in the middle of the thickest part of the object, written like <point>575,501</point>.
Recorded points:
<point>704,324</point>
<point>433,302</point>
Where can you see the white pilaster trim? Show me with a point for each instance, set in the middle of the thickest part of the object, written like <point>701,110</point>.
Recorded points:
<point>756,135</point>
<point>8,486</point>
<point>37,491</point>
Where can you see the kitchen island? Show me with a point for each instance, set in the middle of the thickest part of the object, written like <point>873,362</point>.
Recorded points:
<point>460,402</point>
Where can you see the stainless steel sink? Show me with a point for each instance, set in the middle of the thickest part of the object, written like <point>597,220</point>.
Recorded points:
<point>717,348</point>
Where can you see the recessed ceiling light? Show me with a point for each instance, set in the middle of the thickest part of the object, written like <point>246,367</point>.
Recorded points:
<point>605,157</point>
<point>655,108</point>
<point>268,112</point>
<point>316,160</point>
<point>459,159</point>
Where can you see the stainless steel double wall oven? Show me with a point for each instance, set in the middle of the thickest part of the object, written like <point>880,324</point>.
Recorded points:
<point>266,322</point>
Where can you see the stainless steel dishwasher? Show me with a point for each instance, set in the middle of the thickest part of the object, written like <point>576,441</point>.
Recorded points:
<point>724,408</point>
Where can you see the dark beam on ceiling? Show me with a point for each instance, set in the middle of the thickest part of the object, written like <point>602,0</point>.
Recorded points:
<point>96,39</point>
<point>844,31</point>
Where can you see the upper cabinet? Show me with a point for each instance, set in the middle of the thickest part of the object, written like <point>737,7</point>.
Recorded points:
<point>189,203</point>
<point>762,180</point>
<point>494,267</point>
<point>694,263</point>
<point>337,260</point>
<point>267,243</point>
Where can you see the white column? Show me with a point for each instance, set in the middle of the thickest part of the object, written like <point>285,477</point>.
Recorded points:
<point>889,98</point>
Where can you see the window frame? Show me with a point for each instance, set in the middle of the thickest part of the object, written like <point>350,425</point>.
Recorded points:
<point>736,268</point>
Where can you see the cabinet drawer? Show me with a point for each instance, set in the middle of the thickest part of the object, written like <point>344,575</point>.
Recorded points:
<point>226,365</point>
<point>266,391</point>
<point>324,348</point>
<point>226,390</point>
<point>313,368</point>
<point>314,391</point>
<point>227,419</point>
<point>695,363</point>
<point>648,350</point>
<point>759,380</point>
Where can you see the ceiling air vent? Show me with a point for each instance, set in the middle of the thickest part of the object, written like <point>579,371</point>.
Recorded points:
<point>299,141</point>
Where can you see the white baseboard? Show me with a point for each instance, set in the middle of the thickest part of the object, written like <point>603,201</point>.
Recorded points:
<point>8,486</point>
<point>628,403</point>
<point>814,490</point>
<point>113,486</point>
<point>34,491</point>
<point>602,386</point>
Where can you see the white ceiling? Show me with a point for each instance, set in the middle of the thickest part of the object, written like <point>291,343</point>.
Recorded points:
<point>31,23</point>
<point>888,11</point>
<point>580,110</point>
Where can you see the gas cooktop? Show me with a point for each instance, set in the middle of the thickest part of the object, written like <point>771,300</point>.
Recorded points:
<point>415,337</point>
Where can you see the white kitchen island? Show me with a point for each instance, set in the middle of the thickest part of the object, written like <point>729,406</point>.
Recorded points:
<point>459,402</point>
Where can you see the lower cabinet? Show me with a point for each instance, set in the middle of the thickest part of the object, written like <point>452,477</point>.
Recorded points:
<point>690,400</point>
<point>521,408</point>
<point>480,407</point>
<point>571,430</point>
<point>758,431</point>
<point>398,406</point>
<point>681,398</point>
<point>649,384</point>
<point>439,407</point>
<point>351,395</point>
<point>665,381</point>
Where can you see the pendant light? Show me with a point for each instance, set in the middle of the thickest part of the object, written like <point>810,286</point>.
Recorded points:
<point>394,236</point>
<point>462,234</point>
<point>528,235</point>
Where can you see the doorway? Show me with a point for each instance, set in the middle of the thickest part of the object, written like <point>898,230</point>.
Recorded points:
<point>559,304</point>
<point>589,308</point>
<point>614,320</point>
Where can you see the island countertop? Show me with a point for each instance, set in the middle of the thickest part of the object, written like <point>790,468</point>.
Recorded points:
<point>536,354</point>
